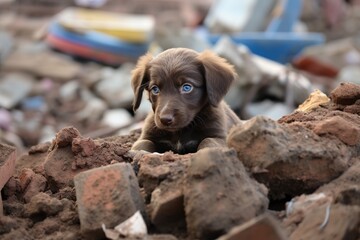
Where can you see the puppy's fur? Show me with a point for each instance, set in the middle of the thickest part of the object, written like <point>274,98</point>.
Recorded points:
<point>183,121</point>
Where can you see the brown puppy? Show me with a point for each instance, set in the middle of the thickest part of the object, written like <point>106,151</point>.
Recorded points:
<point>185,89</point>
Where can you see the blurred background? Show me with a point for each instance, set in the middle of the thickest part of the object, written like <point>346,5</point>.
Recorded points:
<point>69,62</point>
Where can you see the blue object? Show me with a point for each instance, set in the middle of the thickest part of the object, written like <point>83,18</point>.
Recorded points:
<point>279,47</point>
<point>33,103</point>
<point>278,42</point>
<point>99,41</point>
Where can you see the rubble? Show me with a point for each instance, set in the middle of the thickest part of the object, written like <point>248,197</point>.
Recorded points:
<point>55,67</point>
<point>7,168</point>
<point>262,227</point>
<point>247,200</point>
<point>104,193</point>
<point>318,225</point>
<point>290,173</point>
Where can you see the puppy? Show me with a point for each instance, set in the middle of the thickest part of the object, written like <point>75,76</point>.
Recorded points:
<point>186,90</point>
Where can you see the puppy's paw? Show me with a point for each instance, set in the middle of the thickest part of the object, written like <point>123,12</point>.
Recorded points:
<point>212,142</point>
<point>145,145</point>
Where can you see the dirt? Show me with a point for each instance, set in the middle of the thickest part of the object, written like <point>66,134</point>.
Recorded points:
<point>302,153</point>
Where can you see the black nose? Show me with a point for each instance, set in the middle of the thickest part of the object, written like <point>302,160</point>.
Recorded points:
<point>167,120</point>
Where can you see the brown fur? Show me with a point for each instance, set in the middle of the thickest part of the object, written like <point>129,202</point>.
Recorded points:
<point>184,122</point>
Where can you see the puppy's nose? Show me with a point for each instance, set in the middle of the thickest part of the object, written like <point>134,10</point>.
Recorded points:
<point>167,119</point>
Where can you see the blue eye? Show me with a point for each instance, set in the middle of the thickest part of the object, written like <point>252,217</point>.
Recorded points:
<point>186,88</point>
<point>155,90</point>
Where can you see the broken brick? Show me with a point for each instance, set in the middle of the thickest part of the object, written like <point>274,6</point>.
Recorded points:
<point>341,128</point>
<point>7,167</point>
<point>167,206</point>
<point>289,159</point>
<point>262,227</point>
<point>341,223</point>
<point>108,195</point>
<point>345,94</point>
<point>42,203</point>
<point>36,185</point>
<point>155,168</point>
<point>219,194</point>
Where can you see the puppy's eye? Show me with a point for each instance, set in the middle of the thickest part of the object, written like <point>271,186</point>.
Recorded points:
<point>186,88</point>
<point>155,90</point>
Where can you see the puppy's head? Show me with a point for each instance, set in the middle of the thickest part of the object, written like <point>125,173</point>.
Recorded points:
<point>180,83</point>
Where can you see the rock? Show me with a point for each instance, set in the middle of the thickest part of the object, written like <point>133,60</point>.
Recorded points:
<point>156,168</point>
<point>316,225</point>
<point>13,88</point>
<point>71,153</point>
<point>65,137</point>
<point>262,227</point>
<point>108,195</point>
<point>6,43</point>
<point>300,206</point>
<point>289,159</point>
<point>92,111</point>
<point>42,203</point>
<point>25,177</point>
<point>345,189</point>
<point>115,86</point>
<point>167,206</point>
<point>340,127</point>
<point>162,177</point>
<point>7,167</point>
<point>37,185</point>
<point>58,167</point>
<point>218,172</point>
<point>56,66</point>
<point>315,99</point>
<point>345,94</point>
<point>117,118</point>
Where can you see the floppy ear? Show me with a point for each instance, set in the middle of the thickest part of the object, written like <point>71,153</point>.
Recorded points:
<point>219,75</point>
<point>140,79</point>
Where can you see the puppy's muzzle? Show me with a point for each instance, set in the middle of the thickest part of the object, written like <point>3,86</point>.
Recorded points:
<point>167,119</point>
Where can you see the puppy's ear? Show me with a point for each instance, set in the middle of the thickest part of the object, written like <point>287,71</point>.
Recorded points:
<point>219,75</point>
<point>140,79</point>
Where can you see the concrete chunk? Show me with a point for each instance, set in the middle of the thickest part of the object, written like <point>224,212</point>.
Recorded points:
<point>289,159</point>
<point>108,195</point>
<point>259,228</point>
<point>219,194</point>
<point>343,222</point>
<point>7,167</point>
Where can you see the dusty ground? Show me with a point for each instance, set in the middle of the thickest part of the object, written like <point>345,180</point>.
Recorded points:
<point>40,201</point>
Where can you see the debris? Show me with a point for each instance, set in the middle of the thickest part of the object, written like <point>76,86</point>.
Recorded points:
<point>281,156</point>
<point>42,203</point>
<point>248,198</point>
<point>55,67</point>
<point>309,227</point>
<point>13,88</point>
<point>6,43</point>
<point>261,227</point>
<point>106,195</point>
<point>314,100</point>
<point>132,227</point>
<point>117,118</point>
<point>7,167</point>
<point>346,94</point>
<point>115,86</point>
